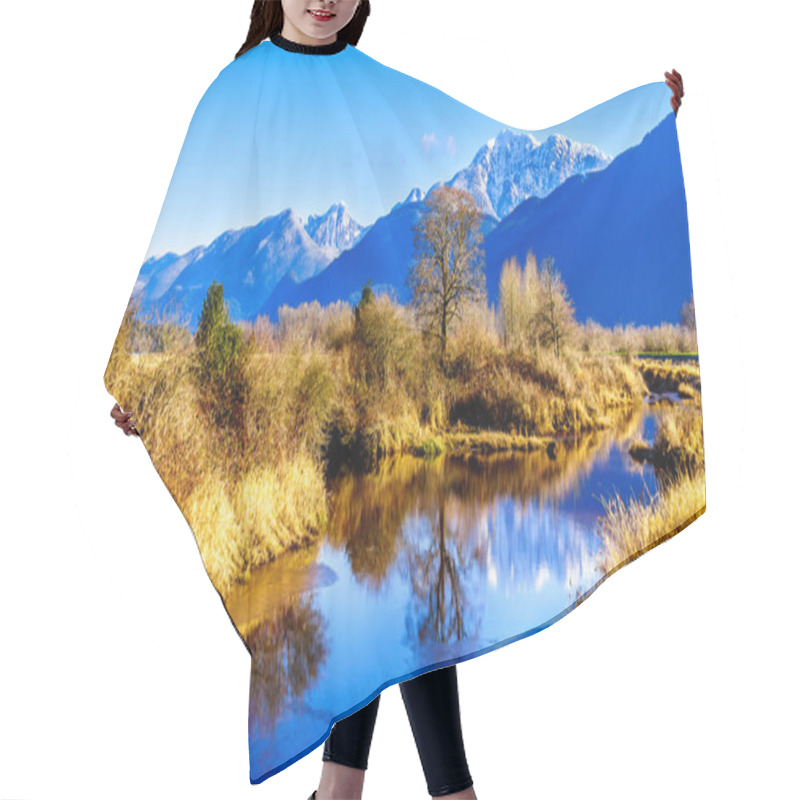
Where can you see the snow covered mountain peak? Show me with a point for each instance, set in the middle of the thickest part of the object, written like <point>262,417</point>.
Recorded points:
<point>335,230</point>
<point>514,165</point>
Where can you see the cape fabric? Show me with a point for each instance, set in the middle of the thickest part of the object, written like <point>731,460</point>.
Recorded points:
<point>419,381</point>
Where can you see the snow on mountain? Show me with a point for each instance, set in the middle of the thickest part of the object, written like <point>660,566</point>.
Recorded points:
<point>514,166</point>
<point>414,196</point>
<point>617,235</point>
<point>282,250</point>
<point>335,230</point>
<point>249,261</point>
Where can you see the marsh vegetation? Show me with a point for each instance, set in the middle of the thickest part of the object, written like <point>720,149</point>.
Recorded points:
<point>250,423</point>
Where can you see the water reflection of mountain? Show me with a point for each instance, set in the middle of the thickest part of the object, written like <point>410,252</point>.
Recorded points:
<point>369,512</point>
<point>383,520</point>
<point>424,562</point>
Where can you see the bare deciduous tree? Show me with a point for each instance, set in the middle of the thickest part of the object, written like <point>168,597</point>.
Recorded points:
<point>512,308</point>
<point>687,315</point>
<point>523,296</point>
<point>556,315</point>
<point>449,267</point>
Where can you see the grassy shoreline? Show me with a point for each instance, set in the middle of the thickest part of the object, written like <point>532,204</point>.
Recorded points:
<point>677,453</point>
<point>246,454</point>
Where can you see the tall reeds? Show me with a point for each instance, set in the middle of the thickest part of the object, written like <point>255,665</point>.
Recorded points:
<point>246,451</point>
<point>629,528</point>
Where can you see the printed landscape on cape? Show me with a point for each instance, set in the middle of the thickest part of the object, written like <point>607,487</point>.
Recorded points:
<point>419,381</point>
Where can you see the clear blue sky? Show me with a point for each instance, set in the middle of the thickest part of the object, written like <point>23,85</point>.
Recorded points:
<point>279,129</point>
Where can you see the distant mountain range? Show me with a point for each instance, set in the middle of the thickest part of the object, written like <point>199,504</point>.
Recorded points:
<point>611,225</point>
<point>250,262</point>
<point>619,237</point>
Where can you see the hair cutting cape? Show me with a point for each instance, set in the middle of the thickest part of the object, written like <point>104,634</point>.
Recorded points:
<point>419,381</point>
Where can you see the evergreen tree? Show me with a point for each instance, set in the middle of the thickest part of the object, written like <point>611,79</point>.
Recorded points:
<point>221,357</point>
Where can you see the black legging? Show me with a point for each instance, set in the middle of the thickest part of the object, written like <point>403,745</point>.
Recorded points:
<point>431,701</point>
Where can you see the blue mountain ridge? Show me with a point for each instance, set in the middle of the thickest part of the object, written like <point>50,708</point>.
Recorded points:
<point>383,255</point>
<point>240,259</point>
<point>618,237</point>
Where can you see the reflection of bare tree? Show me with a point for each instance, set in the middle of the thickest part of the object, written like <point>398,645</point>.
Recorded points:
<point>444,525</point>
<point>451,542</point>
<point>436,571</point>
<point>368,510</point>
<point>288,651</point>
<point>367,513</point>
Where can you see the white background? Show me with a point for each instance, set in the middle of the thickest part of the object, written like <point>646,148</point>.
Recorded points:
<point>120,673</point>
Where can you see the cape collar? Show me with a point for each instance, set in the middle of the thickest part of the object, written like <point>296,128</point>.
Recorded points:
<point>310,49</point>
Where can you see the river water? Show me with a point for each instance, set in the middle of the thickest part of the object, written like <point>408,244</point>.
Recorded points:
<point>425,562</point>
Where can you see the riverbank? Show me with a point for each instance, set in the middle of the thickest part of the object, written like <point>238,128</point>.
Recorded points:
<point>463,442</point>
<point>666,375</point>
<point>237,533</point>
<point>321,393</point>
<point>630,527</point>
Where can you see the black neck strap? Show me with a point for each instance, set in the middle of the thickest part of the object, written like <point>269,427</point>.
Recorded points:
<point>311,49</point>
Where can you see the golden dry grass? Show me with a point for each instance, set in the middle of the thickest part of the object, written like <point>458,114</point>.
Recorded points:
<point>663,375</point>
<point>322,390</point>
<point>630,529</point>
<point>271,509</point>
<point>541,395</point>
